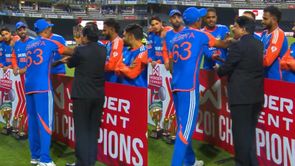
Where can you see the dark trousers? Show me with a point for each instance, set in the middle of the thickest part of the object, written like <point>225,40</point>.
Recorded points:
<point>87,119</point>
<point>244,121</point>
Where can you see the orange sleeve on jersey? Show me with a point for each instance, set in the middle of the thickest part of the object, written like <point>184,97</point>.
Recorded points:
<point>284,60</point>
<point>61,48</point>
<point>13,60</point>
<point>212,39</point>
<point>274,48</point>
<point>136,68</point>
<point>115,55</point>
<point>165,53</point>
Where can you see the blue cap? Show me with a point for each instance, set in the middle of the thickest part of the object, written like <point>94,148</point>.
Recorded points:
<point>174,11</point>
<point>20,24</point>
<point>193,14</point>
<point>41,24</point>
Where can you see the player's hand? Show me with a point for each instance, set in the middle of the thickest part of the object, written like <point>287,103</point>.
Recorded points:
<point>284,65</point>
<point>65,59</point>
<point>5,68</point>
<point>167,66</point>
<point>154,63</point>
<point>291,64</point>
<point>15,71</point>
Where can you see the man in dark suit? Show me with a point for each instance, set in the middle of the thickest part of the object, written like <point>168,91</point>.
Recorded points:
<point>87,94</point>
<point>244,68</point>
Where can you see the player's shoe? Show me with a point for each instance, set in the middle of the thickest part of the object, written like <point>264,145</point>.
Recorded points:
<point>46,164</point>
<point>199,163</point>
<point>34,161</point>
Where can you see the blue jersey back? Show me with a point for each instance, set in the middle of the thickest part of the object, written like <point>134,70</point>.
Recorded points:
<point>60,69</point>
<point>169,39</point>
<point>289,75</point>
<point>129,56</point>
<point>220,32</point>
<point>187,54</point>
<point>7,53</point>
<point>20,52</point>
<point>40,54</point>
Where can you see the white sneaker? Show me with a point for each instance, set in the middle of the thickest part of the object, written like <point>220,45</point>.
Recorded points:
<point>34,161</point>
<point>199,163</point>
<point>46,164</point>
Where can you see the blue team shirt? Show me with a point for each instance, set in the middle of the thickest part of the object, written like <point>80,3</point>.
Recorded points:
<point>40,53</point>
<point>290,75</point>
<point>274,42</point>
<point>2,57</point>
<point>169,39</point>
<point>60,69</point>
<point>7,53</point>
<point>155,47</point>
<point>187,55</point>
<point>109,75</point>
<point>20,52</point>
<point>129,56</point>
<point>220,33</point>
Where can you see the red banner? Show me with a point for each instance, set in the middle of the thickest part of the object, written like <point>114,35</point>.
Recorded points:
<point>276,127</point>
<point>122,139</point>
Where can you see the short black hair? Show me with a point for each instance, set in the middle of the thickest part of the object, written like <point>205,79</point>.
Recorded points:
<point>211,10</point>
<point>247,23</point>
<point>274,11</point>
<point>136,30</point>
<point>5,29</point>
<point>91,32</point>
<point>157,18</point>
<point>112,23</point>
<point>251,13</point>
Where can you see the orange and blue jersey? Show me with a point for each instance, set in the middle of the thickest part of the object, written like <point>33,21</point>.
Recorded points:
<point>219,32</point>
<point>7,53</point>
<point>2,58</point>
<point>187,54</point>
<point>114,56</point>
<point>289,75</point>
<point>19,56</point>
<point>157,49</point>
<point>60,69</point>
<point>169,40</point>
<point>40,52</point>
<point>134,67</point>
<point>275,46</point>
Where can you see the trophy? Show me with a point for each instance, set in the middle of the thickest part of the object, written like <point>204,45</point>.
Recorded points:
<point>166,133</point>
<point>21,135</point>
<point>6,112</point>
<point>14,126</point>
<point>173,129</point>
<point>156,114</point>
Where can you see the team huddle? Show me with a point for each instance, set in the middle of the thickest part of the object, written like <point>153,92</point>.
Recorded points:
<point>180,48</point>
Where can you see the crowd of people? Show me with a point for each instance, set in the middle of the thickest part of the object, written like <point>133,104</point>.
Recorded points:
<point>236,51</point>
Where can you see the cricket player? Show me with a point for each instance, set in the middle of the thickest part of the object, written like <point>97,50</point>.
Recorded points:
<point>214,55</point>
<point>187,54</point>
<point>19,57</point>
<point>39,94</point>
<point>275,42</point>
<point>133,68</point>
<point>7,48</point>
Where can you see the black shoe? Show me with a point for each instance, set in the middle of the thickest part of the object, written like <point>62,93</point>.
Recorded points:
<point>70,164</point>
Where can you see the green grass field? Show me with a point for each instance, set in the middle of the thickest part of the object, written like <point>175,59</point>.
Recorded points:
<point>16,153</point>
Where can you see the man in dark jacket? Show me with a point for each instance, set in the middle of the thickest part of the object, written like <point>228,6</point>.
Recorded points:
<point>87,94</point>
<point>244,68</point>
